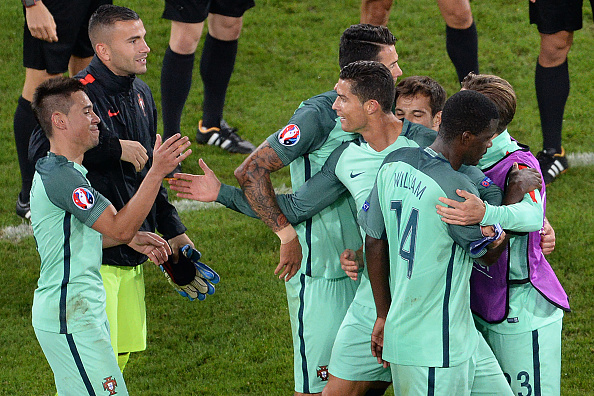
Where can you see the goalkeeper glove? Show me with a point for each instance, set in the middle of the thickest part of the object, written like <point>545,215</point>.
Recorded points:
<point>190,277</point>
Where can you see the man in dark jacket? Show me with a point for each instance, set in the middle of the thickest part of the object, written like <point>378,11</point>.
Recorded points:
<point>117,166</point>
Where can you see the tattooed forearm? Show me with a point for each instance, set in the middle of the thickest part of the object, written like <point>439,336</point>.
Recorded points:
<point>254,178</point>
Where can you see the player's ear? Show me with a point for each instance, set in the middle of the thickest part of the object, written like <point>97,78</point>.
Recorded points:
<point>102,51</point>
<point>59,120</point>
<point>437,120</point>
<point>467,138</point>
<point>371,106</point>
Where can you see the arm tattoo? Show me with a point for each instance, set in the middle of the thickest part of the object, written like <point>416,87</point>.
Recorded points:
<point>254,178</point>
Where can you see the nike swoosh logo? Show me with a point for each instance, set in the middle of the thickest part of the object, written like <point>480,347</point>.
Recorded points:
<point>353,175</point>
<point>111,114</point>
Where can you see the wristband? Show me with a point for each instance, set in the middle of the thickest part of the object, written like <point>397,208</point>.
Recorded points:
<point>29,3</point>
<point>287,234</point>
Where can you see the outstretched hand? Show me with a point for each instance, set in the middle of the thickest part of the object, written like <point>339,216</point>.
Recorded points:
<point>152,245</point>
<point>168,154</point>
<point>469,211</point>
<point>203,188</point>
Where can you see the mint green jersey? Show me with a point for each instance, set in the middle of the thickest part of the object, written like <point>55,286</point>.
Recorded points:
<point>429,322</point>
<point>70,296</point>
<point>311,135</point>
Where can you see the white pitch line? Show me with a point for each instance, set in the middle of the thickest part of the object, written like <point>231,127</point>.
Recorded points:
<point>580,159</point>
<point>15,233</point>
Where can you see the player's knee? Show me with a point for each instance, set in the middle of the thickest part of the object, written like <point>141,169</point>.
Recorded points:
<point>554,48</point>
<point>224,28</point>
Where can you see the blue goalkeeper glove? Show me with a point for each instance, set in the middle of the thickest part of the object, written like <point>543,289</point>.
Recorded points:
<point>190,277</point>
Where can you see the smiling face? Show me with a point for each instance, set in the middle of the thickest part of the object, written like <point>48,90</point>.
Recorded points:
<point>348,107</point>
<point>417,109</point>
<point>125,52</point>
<point>82,121</point>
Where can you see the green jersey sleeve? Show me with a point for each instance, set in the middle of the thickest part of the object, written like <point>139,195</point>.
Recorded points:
<point>69,190</point>
<point>307,130</point>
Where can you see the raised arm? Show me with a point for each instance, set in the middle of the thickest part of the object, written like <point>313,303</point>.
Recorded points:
<point>122,226</point>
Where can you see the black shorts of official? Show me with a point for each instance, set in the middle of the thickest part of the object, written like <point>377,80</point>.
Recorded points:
<point>552,16</point>
<point>196,11</point>
<point>72,24</point>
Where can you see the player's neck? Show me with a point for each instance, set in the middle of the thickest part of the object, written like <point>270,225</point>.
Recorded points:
<point>383,131</point>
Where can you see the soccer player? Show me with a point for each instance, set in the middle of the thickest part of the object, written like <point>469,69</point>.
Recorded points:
<point>461,35</point>
<point>420,99</point>
<point>55,40</point>
<point>311,135</point>
<point>352,166</point>
<point>126,107</point>
<point>518,302</point>
<point>225,20</point>
<point>424,326</point>
<point>71,222</point>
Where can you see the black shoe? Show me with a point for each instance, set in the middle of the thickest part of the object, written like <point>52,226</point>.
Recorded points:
<point>177,169</point>
<point>225,137</point>
<point>552,164</point>
<point>23,209</point>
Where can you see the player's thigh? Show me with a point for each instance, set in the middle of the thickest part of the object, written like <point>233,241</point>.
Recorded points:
<point>111,284</point>
<point>456,13</point>
<point>131,310</point>
<point>487,377</point>
<point>82,362</point>
<point>552,16</point>
<point>423,381</point>
<point>530,361</point>
<point>316,307</point>
<point>230,8</point>
<point>351,358</point>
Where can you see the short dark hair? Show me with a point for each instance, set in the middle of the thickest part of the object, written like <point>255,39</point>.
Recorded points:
<point>53,95</point>
<point>106,16</point>
<point>499,91</point>
<point>370,80</point>
<point>466,111</point>
<point>363,42</point>
<point>424,86</point>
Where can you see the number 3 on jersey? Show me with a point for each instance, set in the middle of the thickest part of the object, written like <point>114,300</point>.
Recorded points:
<point>408,238</point>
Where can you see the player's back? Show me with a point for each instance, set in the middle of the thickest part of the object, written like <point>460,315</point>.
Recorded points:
<point>429,322</point>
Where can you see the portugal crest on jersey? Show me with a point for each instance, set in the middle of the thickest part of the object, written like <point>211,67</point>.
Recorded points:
<point>290,135</point>
<point>322,372</point>
<point>83,198</point>
<point>141,104</point>
<point>110,385</point>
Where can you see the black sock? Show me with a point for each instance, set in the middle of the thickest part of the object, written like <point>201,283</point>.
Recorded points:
<point>216,67</point>
<point>552,90</point>
<point>24,123</point>
<point>176,80</point>
<point>462,47</point>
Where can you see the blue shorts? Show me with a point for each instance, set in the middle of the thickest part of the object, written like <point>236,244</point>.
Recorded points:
<point>83,363</point>
<point>196,11</point>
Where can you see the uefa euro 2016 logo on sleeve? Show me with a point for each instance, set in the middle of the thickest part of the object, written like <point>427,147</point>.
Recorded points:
<point>83,198</point>
<point>290,135</point>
